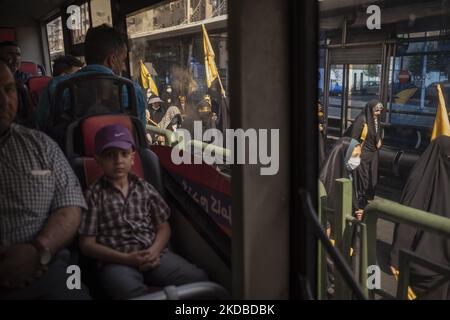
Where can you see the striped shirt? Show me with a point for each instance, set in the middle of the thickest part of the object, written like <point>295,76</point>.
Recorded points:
<point>124,224</point>
<point>36,179</point>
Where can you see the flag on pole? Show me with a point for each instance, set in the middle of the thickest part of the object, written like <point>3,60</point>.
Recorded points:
<point>441,123</point>
<point>211,75</point>
<point>210,64</point>
<point>147,80</point>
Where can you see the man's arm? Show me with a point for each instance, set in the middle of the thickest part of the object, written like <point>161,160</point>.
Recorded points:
<point>19,264</point>
<point>60,229</point>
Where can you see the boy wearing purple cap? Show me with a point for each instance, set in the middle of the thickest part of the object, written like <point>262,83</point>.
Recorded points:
<point>126,227</point>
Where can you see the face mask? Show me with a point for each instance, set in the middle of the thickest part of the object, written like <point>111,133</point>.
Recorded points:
<point>353,163</point>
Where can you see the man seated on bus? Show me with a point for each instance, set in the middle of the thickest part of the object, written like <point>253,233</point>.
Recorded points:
<point>105,52</point>
<point>11,53</point>
<point>66,65</point>
<point>125,227</point>
<point>40,208</point>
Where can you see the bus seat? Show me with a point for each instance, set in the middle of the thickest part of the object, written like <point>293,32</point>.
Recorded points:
<point>80,150</point>
<point>146,164</point>
<point>31,68</point>
<point>25,108</point>
<point>85,95</point>
<point>35,87</point>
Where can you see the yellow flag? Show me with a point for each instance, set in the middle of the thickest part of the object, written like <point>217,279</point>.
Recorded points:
<point>441,123</point>
<point>147,80</point>
<point>210,64</point>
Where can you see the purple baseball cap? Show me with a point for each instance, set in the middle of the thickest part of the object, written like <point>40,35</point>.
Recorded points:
<point>113,136</point>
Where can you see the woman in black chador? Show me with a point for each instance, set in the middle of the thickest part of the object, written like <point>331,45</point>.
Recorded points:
<point>366,129</point>
<point>342,162</point>
<point>428,189</point>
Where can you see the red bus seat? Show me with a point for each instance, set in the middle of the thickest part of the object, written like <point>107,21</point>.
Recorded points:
<point>35,87</point>
<point>81,156</point>
<point>31,68</point>
<point>80,150</point>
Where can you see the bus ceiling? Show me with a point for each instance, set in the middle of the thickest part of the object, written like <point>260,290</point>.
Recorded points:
<point>395,15</point>
<point>26,13</point>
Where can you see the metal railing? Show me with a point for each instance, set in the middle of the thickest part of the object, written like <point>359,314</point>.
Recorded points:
<point>312,218</point>
<point>172,140</point>
<point>344,224</point>
<point>167,134</point>
<point>397,213</point>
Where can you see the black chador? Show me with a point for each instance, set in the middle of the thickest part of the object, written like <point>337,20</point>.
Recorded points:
<point>337,166</point>
<point>366,129</point>
<point>428,189</point>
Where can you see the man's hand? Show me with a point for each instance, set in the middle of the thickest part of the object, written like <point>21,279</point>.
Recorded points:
<point>19,266</point>
<point>359,214</point>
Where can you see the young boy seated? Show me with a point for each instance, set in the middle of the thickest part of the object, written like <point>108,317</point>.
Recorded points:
<point>125,227</point>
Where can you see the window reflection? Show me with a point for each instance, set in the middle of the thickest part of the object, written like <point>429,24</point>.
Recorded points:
<point>78,35</point>
<point>55,39</point>
<point>101,12</point>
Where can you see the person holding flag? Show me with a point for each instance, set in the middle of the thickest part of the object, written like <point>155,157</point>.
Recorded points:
<point>427,189</point>
<point>212,75</point>
<point>146,80</point>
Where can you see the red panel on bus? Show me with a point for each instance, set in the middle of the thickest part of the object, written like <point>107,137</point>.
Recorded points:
<point>7,34</point>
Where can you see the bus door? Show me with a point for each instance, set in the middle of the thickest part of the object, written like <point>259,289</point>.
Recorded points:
<point>354,77</point>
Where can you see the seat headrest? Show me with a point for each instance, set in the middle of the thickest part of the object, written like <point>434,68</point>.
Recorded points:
<point>38,83</point>
<point>30,68</point>
<point>91,125</point>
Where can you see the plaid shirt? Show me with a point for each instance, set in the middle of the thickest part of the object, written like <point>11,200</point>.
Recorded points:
<point>35,181</point>
<point>124,224</point>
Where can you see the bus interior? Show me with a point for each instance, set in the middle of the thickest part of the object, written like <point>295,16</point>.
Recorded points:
<point>256,236</point>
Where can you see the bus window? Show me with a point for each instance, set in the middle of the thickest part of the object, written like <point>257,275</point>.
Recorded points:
<point>170,43</point>
<point>335,100</point>
<point>55,39</point>
<point>363,85</point>
<point>417,68</point>
<point>386,106</point>
<point>101,12</point>
<point>78,35</point>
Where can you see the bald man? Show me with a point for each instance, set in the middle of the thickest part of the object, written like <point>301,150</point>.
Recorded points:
<point>40,208</point>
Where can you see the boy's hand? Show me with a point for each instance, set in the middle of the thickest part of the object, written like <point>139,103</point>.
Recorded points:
<point>136,259</point>
<point>150,265</point>
<point>152,259</point>
<point>151,254</point>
